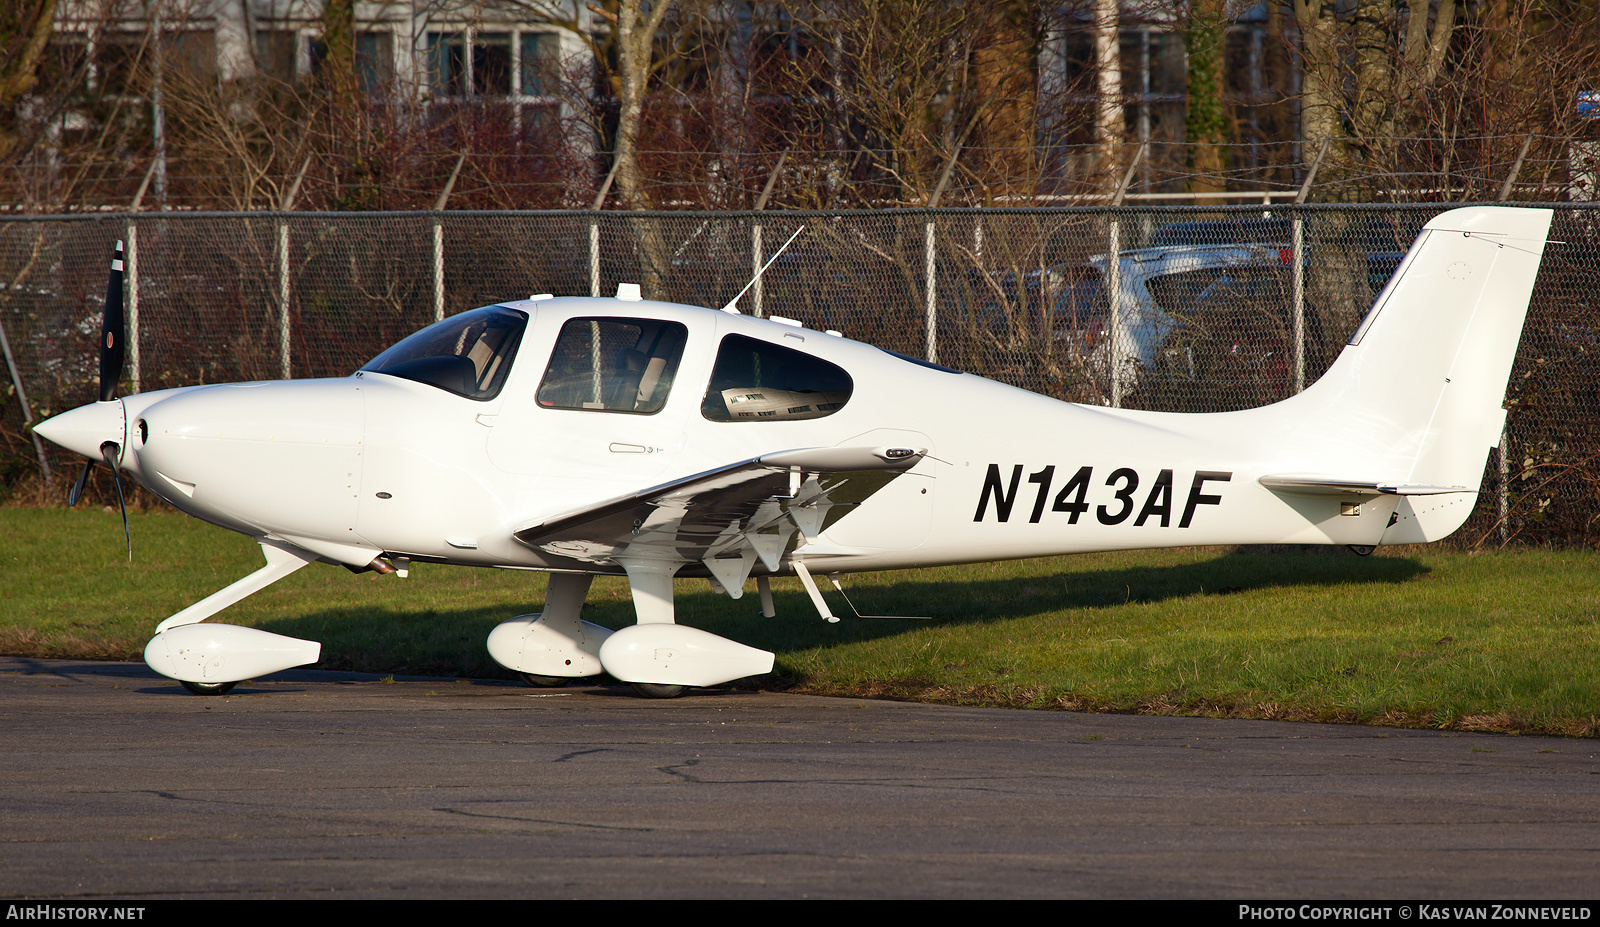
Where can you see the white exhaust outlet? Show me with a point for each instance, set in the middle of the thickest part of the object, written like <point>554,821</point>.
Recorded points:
<point>672,654</point>
<point>217,653</point>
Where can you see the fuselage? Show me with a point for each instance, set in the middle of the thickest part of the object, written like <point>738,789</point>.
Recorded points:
<point>378,464</point>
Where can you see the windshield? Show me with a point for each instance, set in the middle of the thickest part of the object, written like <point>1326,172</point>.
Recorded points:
<point>468,354</point>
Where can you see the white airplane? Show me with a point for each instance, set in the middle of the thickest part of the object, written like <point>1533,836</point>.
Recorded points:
<point>624,436</point>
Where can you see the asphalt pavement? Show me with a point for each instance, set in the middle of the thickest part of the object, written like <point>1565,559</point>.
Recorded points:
<point>116,783</point>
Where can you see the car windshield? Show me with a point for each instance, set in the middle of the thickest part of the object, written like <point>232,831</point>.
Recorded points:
<point>1181,295</point>
<point>468,354</point>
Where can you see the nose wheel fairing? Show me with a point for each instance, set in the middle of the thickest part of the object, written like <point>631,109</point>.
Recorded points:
<point>207,657</point>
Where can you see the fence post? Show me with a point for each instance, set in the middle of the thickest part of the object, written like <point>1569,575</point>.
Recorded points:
<point>755,237</point>
<point>438,239</point>
<point>131,262</point>
<point>22,396</point>
<point>594,230</point>
<point>283,267</point>
<point>931,304</point>
<point>1298,274</point>
<point>1113,277</point>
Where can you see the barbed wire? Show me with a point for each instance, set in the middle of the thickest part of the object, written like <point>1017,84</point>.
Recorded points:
<point>1400,169</point>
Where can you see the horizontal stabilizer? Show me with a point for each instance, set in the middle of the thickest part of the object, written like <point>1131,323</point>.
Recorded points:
<point>1317,485</point>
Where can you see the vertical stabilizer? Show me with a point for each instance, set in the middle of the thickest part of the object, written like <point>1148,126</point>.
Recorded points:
<point>1422,382</point>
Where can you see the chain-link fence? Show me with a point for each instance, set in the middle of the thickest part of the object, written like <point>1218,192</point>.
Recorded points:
<point>1202,310</point>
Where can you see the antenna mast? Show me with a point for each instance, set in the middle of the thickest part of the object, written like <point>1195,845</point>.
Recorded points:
<point>733,304</point>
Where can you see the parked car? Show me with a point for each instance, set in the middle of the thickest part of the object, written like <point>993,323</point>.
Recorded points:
<point>1204,300</point>
<point>1189,265</point>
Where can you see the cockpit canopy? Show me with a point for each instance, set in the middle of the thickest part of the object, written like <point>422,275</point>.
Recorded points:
<point>618,364</point>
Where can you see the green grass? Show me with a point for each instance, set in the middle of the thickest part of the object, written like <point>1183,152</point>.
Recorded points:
<point>1420,636</point>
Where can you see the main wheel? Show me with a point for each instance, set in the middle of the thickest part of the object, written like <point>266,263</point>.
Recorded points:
<point>208,688</point>
<point>656,690</point>
<point>544,682</point>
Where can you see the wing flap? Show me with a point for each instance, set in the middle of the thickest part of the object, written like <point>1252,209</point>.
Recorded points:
<point>726,512</point>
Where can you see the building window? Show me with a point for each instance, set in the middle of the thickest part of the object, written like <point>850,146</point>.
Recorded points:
<point>1154,79</point>
<point>278,52</point>
<point>375,60</point>
<point>540,54</point>
<point>475,63</point>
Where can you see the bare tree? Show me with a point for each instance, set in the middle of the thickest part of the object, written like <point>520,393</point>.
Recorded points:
<point>1363,69</point>
<point>1206,117</point>
<point>25,28</point>
<point>911,81</point>
<point>1109,124</point>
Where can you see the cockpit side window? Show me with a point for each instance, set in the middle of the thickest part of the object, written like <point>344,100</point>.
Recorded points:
<point>756,381</point>
<point>468,354</point>
<point>613,365</point>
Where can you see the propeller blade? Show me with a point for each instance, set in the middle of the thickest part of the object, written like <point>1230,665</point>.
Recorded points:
<point>111,332</point>
<point>77,488</point>
<point>109,451</point>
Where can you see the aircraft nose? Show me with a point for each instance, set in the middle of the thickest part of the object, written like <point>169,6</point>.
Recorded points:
<point>84,429</point>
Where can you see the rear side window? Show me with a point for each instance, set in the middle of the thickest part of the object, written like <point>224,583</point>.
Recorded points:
<point>613,365</point>
<point>756,381</point>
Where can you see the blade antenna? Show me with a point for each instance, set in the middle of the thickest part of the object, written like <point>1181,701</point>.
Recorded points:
<point>733,304</point>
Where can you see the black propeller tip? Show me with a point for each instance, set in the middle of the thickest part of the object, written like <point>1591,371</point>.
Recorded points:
<point>77,488</point>
<point>111,331</point>
<point>109,450</point>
